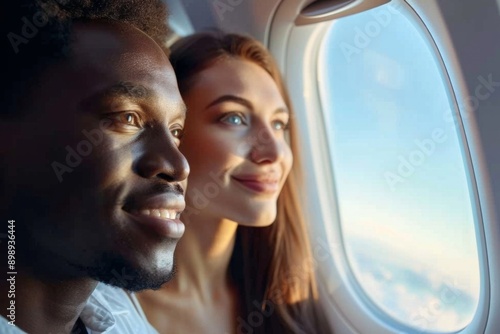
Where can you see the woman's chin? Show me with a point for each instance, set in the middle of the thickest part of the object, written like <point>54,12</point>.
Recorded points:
<point>257,220</point>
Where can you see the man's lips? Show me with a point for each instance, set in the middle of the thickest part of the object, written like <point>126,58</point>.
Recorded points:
<point>267,184</point>
<point>159,213</point>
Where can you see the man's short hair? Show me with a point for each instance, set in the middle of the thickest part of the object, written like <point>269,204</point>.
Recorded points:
<point>37,33</point>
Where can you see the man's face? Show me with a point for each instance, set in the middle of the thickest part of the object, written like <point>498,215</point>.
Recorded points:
<point>95,181</point>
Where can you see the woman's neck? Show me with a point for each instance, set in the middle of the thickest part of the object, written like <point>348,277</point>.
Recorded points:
<point>201,292</point>
<point>202,259</point>
<point>204,253</point>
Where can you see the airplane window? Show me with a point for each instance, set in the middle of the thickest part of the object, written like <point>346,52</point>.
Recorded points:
<point>401,179</point>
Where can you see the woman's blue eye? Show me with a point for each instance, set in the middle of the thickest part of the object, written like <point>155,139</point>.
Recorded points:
<point>279,125</point>
<point>234,119</point>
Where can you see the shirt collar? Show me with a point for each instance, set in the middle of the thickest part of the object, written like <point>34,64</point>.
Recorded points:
<point>97,315</point>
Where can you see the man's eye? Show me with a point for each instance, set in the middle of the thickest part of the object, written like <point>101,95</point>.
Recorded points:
<point>233,119</point>
<point>125,120</point>
<point>177,133</point>
<point>131,119</point>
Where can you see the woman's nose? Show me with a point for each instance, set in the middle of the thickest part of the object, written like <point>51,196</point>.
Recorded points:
<point>266,146</point>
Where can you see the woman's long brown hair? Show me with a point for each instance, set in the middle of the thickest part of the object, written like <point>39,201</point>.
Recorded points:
<point>271,266</point>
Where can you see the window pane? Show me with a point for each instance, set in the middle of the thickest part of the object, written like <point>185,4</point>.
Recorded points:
<point>402,186</point>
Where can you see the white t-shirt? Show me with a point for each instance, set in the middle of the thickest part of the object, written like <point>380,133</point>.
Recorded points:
<point>109,310</point>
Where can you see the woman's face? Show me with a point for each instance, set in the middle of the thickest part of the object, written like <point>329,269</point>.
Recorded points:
<point>235,143</point>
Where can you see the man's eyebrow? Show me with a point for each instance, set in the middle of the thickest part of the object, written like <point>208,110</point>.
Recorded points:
<point>125,89</point>
<point>128,89</point>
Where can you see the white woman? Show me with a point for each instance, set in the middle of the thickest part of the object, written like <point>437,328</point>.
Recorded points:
<point>244,264</point>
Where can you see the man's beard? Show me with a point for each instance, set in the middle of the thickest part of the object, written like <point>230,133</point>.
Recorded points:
<point>116,271</point>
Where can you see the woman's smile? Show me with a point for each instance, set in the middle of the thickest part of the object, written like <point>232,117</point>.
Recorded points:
<point>268,184</point>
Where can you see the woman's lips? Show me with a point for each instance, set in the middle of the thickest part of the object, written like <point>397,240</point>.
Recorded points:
<point>260,185</point>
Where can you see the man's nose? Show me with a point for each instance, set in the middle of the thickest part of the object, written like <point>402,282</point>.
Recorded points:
<point>160,157</point>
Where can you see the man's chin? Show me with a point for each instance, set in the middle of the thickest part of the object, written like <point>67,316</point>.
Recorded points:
<point>120,273</point>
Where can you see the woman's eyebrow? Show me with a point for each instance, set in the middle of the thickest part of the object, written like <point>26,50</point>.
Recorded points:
<point>282,110</point>
<point>242,101</point>
<point>230,98</point>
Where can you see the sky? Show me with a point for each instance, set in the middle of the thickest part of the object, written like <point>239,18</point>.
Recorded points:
<point>400,175</point>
